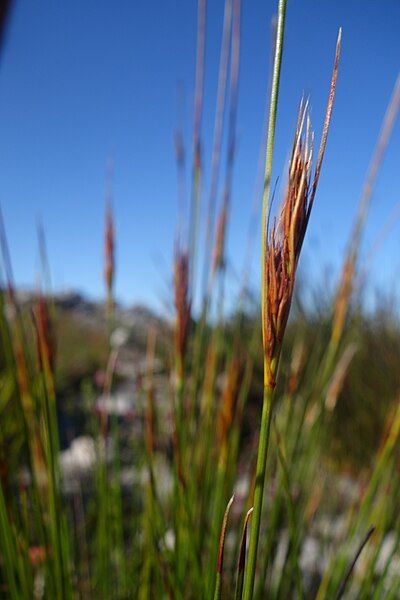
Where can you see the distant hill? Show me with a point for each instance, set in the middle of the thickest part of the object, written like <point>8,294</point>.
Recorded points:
<point>82,342</point>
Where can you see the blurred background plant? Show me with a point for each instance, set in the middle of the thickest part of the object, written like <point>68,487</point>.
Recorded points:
<point>128,439</point>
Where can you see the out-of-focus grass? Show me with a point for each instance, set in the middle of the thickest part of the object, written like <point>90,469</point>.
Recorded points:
<point>147,514</point>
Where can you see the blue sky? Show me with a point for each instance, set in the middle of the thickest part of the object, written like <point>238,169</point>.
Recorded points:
<point>81,80</point>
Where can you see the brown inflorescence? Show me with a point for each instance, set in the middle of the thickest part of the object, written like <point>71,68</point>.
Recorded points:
<point>284,241</point>
<point>285,238</point>
<point>45,336</point>
<point>218,258</point>
<point>109,250</point>
<point>182,302</point>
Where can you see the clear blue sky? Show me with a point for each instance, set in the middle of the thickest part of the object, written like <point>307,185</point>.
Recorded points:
<point>82,79</point>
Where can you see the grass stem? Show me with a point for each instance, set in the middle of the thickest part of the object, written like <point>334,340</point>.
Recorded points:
<point>258,492</point>
<point>268,391</point>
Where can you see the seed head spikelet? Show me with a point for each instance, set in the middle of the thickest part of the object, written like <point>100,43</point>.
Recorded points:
<point>218,258</point>
<point>347,281</point>
<point>109,249</point>
<point>182,301</point>
<point>284,239</point>
<point>45,339</point>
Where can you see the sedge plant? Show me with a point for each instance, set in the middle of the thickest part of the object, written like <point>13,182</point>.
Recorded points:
<point>280,252</point>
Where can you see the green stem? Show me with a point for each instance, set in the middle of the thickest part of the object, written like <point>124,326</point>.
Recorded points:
<point>258,492</point>
<point>268,391</point>
<point>271,140</point>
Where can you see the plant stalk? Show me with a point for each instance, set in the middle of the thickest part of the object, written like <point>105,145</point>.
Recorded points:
<point>258,492</point>
<point>268,390</point>
<point>271,140</point>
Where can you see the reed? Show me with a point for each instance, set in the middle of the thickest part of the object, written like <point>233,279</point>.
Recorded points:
<point>280,256</point>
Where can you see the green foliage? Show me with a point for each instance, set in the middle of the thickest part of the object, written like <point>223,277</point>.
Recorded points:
<point>149,516</point>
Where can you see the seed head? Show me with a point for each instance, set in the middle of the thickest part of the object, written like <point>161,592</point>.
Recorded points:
<point>45,336</point>
<point>218,258</point>
<point>285,238</point>
<point>284,241</point>
<point>109,244</point>
<point>182,301</point>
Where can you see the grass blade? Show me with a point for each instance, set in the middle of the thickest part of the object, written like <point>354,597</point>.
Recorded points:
<point>220,562</point>
<point>353,564</point>
<point>242,558</point>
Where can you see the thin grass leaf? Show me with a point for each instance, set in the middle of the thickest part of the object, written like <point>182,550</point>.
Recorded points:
<point>220,561</point>
<point>242,558</point>
<point>9,551</point>
<point>353,564</point>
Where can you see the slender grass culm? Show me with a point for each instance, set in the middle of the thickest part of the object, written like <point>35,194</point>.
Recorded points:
<point>280,252</point>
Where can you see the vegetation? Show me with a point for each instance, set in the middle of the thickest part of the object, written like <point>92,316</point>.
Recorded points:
<point>167,507</point>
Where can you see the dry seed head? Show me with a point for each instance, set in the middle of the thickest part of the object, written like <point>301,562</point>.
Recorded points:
<point>218,258</point>
<point>182,301</point>
<point>346,284</point>
<point>285,238</point>
<point>109,248</point>
<point>45,336</point>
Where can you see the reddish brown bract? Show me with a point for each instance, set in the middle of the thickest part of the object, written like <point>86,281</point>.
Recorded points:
<point>182,301</point>
<point>285,238</point>
<point>45,336</point>
<point>109,250</point>
<point>218,258</point>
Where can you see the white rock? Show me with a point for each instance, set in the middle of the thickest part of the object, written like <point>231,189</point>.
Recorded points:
<point>119,337</point>
<point>385,551</point>
<point>169,539</point>
<point>120,404</point>
<point>310,554</point>
<point>79,458</point>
